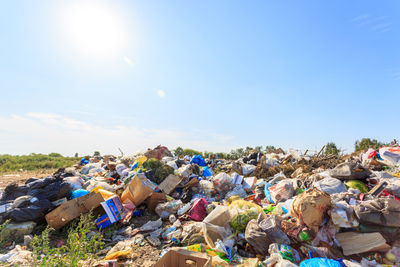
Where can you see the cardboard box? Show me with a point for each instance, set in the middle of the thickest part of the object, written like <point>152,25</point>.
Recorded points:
<point>138,190</point>
<point>180,257</point>
<point>354,242</point>
<point>170,183</point>
<point>103,222</point>
<point>113,209</point>
<point>72,209</point>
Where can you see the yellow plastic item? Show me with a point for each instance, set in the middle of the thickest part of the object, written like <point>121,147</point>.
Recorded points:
<point>119,254</point>
<point>104,193</point>
<point>240,204</point>
<point>140,161</point>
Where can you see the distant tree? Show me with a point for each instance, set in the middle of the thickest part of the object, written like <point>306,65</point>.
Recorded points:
<point>178,151</point>
<point>207,154</point>
<point>96,154</point>
<point>248,149</point>
<point>367,143</point>
<point>240,152</point>
<point>76,155</point>
<point>269,149</point>
<point>191,152</point>
<point>331,149</point>
<point>258,148</point>
<point>55,155</point>
<point>221,155</point>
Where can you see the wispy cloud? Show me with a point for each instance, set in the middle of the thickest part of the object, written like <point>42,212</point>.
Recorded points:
<point>161,93</point>
<point>128,61</point>
<point>45,133</point>
<point>375,23</point>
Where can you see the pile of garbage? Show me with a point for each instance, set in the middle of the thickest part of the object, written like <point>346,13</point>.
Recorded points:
<point>266,209</point>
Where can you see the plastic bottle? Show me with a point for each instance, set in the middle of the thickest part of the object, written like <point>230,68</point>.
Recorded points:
<point>197,248</point>
<point>174,234</point>
<point>184,209</point>
<point>305,236</point>
<point>169,230</point>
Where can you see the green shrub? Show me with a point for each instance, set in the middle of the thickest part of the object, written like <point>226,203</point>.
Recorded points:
<point>4,234</point>
<point>79,245</point>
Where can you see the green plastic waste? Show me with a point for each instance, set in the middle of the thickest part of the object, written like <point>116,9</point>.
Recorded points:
<point>240,221</point>
<point>356,184</point>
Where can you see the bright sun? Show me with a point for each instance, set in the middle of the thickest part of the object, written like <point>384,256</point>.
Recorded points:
<point>93,29</point>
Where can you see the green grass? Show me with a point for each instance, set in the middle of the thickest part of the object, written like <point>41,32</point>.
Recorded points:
<point>82,242</point>
<point>35,162</point>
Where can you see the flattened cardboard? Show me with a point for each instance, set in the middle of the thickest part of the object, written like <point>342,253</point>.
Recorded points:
<point>170,183</point>
<point>354,242</point>
<point>72,209</point>
<point>180,257</point>
<point>153,200</point>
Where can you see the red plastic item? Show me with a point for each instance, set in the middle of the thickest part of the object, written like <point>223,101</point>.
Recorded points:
<point>372,154</point>
<point>199,210</point>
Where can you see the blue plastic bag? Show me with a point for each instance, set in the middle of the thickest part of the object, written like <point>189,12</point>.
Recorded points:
<point>318,262</point>
<point>207,172</point>
<point>198,159</point>
<point>79,193</point>
<point>267,193</point>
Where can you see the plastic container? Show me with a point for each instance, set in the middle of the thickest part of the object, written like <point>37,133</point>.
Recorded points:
<point>184,209</point>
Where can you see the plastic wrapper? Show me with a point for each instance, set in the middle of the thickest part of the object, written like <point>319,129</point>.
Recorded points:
<point>272,226</point>
<point>165,209</point>
<point>282,191</point>
<point>222,182</point>
<point>151,225</point>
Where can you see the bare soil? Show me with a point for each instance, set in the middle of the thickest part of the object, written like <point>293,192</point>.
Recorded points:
<point>21,176</point>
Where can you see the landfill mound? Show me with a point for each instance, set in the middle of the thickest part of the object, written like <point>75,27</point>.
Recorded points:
<point>156,209</point>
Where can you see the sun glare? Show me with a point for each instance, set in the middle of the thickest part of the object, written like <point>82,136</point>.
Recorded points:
<point>93,29</point>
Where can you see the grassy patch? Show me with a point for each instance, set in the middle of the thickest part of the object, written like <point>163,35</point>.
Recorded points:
<point>35,162</point>
<point>82,242</point>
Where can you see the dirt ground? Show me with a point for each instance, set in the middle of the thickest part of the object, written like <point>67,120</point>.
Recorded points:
<point>21,176</point>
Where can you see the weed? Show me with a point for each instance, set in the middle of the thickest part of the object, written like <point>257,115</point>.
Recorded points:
<point>82,242</point>
<point>4,234</point>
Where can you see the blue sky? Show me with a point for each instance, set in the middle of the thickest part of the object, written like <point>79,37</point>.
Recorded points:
<point>79,76</point>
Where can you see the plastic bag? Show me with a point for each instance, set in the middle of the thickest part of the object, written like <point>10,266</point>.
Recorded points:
<point>257,238</point>
<point>207,172</point>
<point>272,226</point>
<point>213,232</point>
<point>330,185</point>
<point>248,169</point>
<point>237,191</point>
<point>281,191</point>
<point>219,216</point>
<point>240,221</point>
<point>317,262</point>
<point>198,211</point>
<point>222,182</point>
<point>151,225</point>
<point>198,159</point>
<point>342,215</point>
<point>165,209</point>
